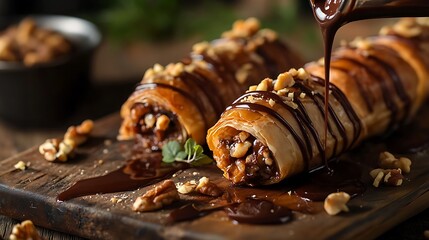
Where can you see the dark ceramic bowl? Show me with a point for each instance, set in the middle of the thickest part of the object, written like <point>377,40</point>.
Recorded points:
<point>44,94</point>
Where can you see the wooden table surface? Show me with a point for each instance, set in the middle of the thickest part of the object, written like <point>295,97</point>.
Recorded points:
<point>15,139</point>
<point>101,100</point>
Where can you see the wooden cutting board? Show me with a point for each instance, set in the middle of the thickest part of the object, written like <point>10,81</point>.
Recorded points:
<point>31,194</point>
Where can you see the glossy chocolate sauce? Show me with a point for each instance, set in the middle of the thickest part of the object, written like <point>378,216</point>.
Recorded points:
<point>317,185</point>
<point>255,211</point>
<point>333,14</point>
<point>275,204</point>
<point>187,212</point>
<point>134,174</point>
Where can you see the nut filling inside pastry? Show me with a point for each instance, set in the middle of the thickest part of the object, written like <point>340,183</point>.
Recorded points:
<point>155,125</point>
<point>247,159</point>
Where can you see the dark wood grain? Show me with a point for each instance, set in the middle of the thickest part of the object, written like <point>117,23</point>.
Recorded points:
<point>31,194</point>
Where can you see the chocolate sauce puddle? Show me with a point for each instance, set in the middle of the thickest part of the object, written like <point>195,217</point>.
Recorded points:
<point>341,177</point>
<point>255,211</point>
<point>187,212</point>
<point>250,211</point>
<point>134,174</point>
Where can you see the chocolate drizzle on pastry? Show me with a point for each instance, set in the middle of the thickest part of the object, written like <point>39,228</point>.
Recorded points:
<point>196,90</point>
<point>307,129</point>
<point>377,84</point>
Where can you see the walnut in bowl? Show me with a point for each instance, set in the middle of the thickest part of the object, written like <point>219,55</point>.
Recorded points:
<point>44,67</point>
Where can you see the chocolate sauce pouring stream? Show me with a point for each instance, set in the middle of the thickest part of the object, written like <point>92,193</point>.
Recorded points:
<point>333,14</point>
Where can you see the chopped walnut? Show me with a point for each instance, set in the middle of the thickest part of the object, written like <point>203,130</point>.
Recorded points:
<point>20,165</point>
<point>253,88</point>
<point>407,28</point>
<point>186,188</point>
<point>388,160</point>
<point>293,72</point>
<point>264,85</point>
<point>240,149</point>
<point>389,177</point>
<point>284,80</point>
<point>77,135</point>
<point>176,69</point>
<point>49,149</point>
<point>25,231</point>
<point>243,28</point>
<point>161,195</point>
<point>162,122</point>
<point>157,68</point>
<point>242,136</point>
<point>302,74</point>
<point>200,47</point>
<point>206,187</point>
<point>361,43</point>
<point>56,150</point>
<point>31,44</point>
<point>336,203</point>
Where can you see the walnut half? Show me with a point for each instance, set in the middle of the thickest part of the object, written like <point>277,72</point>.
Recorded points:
<point>161,195</point>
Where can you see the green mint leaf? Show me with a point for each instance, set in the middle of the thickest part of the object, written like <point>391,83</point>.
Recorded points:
<point>170,151</point>
<point>181,155</point>
<point>189,147</point>
<point>198,150</point>
<point>202,160</point>
<point>191,153</point>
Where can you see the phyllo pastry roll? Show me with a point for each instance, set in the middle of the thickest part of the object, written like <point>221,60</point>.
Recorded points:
<point>184,99</point>
<point>277,128</point>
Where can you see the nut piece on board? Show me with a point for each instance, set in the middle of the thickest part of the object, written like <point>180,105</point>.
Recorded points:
<point>203,186</point>
<point>336,203</point>
<point>206,187</point>
<point>25,231</point>
<point>187,187</point>
<point>57,150</point>
<point>389,161</point>
<point>161,195</point>
<point>20,165</point>
<point>389,177</point>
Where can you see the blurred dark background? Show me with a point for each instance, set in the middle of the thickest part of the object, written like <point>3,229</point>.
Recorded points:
<point>140,33</point>
<point>137,31</point>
